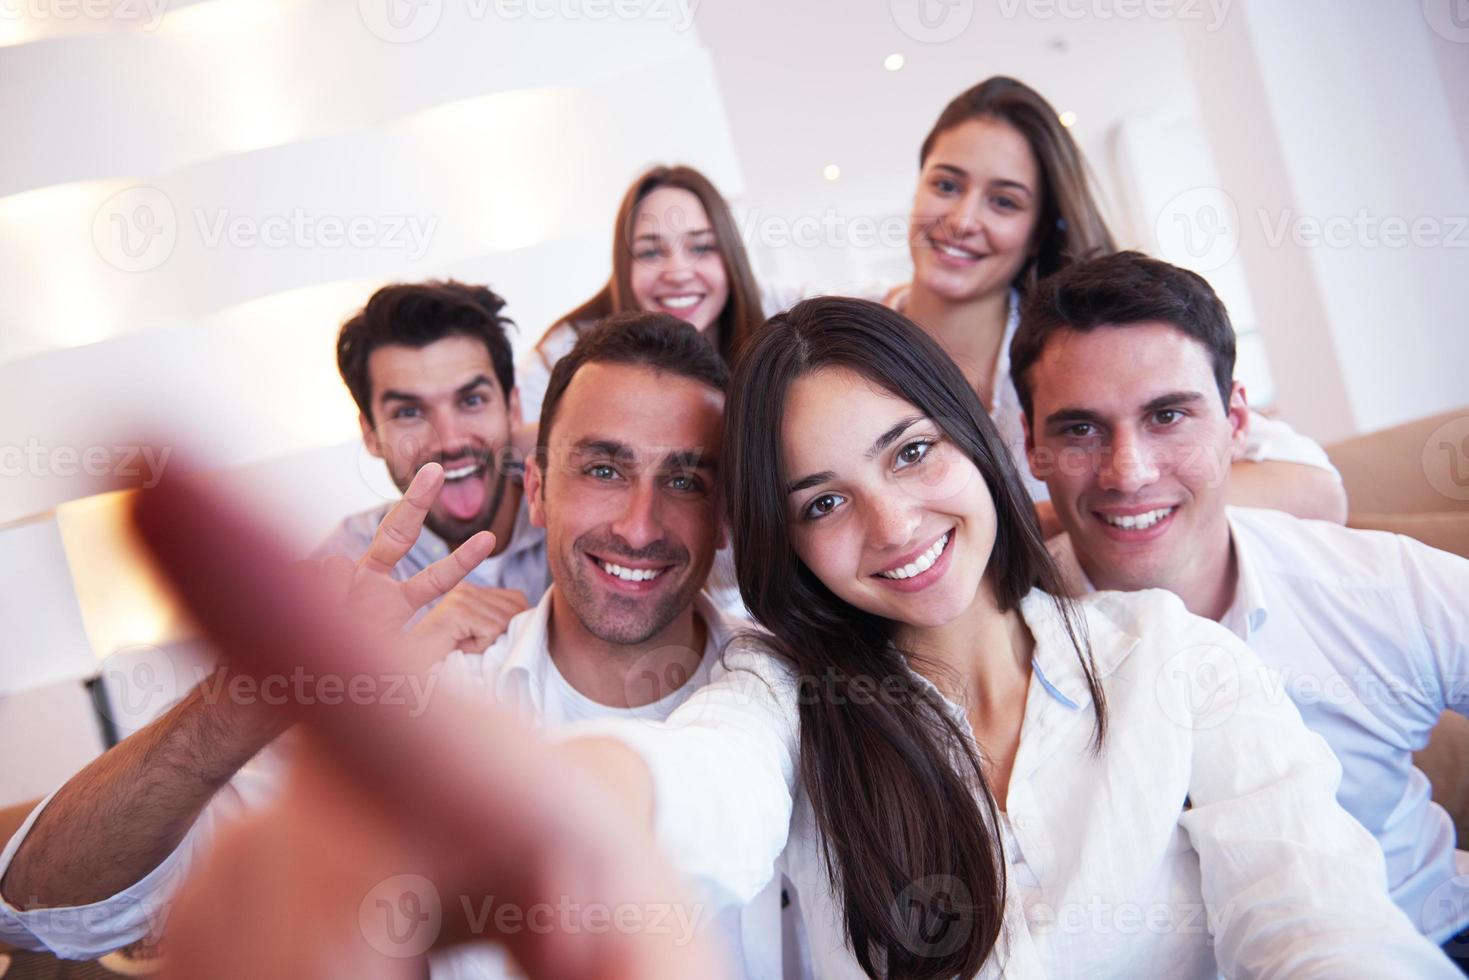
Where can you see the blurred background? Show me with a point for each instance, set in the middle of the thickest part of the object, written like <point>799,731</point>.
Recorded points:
<point>194,196</point>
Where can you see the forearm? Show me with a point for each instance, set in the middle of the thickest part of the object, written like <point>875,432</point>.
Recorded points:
<point>1305,491</point>
<point>117,819</point>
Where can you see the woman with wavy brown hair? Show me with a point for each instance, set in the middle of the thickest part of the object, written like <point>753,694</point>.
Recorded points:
<point>675,249</point>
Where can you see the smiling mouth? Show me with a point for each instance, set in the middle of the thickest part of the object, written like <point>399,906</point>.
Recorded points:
<point>468,469</point>
<point>683,301</point>
<point>1137,522</point>
<point>922,563</point>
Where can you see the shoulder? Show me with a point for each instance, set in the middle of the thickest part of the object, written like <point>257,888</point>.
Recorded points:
<point>1286,546</point>
<point>1147,628</point>
<point>353,535</point>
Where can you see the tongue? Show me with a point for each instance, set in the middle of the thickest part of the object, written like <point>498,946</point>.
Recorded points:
<point>464,499</point>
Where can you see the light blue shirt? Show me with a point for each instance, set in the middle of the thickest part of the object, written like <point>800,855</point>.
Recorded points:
<point>1369,633</point>
<point>522,565</point>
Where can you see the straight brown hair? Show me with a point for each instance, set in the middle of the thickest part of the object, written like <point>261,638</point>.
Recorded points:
<point>1070,226</point>
<point>742,312</point>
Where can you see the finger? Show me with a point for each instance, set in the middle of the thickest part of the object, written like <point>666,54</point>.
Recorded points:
<point>441,770</point>
<point>404,521</point>
<point>446,573</point>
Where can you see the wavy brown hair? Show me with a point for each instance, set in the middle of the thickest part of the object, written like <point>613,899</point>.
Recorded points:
<point>742,312</point>
<point>907,820</point>
<point>1069,227</point>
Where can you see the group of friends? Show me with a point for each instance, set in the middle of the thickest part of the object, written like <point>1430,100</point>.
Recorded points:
<point>973,627</point>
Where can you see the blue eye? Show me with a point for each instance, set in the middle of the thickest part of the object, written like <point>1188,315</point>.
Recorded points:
<point>685,483</point>
<point>601,471</point>
<point>407,412</point>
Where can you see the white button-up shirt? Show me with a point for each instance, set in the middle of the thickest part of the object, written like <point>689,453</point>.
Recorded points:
<point>1204,837</point>
<point>517,670</point>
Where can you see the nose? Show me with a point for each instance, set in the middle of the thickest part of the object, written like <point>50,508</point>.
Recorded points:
<point>1129,466</point>
<point>892,522</point>
<point>966,216</point>
<point>638,522</point>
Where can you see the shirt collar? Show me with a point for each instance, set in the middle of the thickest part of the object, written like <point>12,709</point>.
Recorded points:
<point>1055,663</point>
<point>1248,612</point>
<point>527,667</point>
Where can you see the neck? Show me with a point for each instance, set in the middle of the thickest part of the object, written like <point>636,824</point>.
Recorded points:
<point>981,659</point>
<point>625,675</point>
<point>1205,582</point>
<point>969,332</point>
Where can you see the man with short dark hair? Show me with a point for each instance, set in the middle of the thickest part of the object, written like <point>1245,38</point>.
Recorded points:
<point>1125,369</point>
<point>432,372</point>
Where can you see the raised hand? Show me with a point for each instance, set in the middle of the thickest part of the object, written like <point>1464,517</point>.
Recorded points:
<point>470,617</point>
<point>459,794</point>
<point>367,586</point>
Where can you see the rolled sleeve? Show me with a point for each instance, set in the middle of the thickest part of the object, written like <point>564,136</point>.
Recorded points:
<point>724,772</point>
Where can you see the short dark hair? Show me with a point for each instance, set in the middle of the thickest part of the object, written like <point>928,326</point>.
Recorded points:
<point>1121,290</point>
<point>659,341</point>
<point>419,314</point>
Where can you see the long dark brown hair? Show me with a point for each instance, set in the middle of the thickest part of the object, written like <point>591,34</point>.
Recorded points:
<point>908,823</point>
<point>1069,227</point>
<point>742,313</point>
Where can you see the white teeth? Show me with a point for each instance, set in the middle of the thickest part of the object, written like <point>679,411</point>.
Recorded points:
<point>1138,522</point>
<point>957,252</point>
<point>459,473</point>
<point>631,574</point>
<point>923,562</point>
<point>679,302</point>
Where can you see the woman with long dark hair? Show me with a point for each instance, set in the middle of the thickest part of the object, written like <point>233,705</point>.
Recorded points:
<point>1004,199</point>
<point>964,773</point>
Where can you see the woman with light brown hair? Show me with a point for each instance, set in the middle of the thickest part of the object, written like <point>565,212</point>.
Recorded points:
<point>675,249</point>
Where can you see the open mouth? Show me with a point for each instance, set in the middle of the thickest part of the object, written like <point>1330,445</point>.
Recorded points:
<point>922,563</point>
<point>465,492</point>
<point>1147,520</point>
<point>955,252</point>
<point>638,578</point>
<point>679,302</point>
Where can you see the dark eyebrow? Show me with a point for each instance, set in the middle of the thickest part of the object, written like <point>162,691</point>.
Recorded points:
<point>1173,398</point>
<point>690,459</point>
<point>1066,415</point>
<point>407,396</point>
<point>610,448</point>
<point>883,441</point>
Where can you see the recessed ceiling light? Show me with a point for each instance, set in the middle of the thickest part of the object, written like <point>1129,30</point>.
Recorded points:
<point>1068,119</point>
<point>831,171</point>
<point>893,62</point>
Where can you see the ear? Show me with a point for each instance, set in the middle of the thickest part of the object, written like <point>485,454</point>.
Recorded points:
<point>513,407</point>
<point>369,436</point>
<point>1239,422</point>
<point>1030,453</point>
<point>535,491</point>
